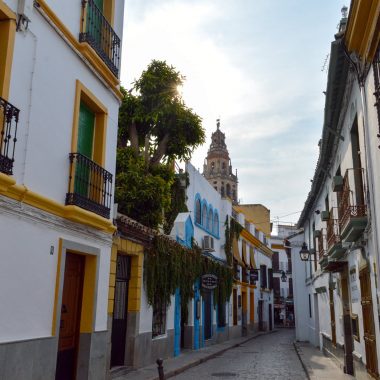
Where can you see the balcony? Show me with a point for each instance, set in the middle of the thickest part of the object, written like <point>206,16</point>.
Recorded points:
<point>332,261</point>
<point>352,206</point>
<point>321,246</point>
<point>8,136</point>
<point>99,34</point>
<point>90,186</point>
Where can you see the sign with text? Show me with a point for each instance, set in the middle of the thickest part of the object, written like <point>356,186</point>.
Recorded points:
<point>209,281</point>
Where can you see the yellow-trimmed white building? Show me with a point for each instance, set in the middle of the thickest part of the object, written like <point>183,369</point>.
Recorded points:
<point>59,101</point>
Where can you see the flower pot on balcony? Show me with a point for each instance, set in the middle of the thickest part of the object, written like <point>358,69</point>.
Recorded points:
<point>337,183</point>
<point>325,216</point>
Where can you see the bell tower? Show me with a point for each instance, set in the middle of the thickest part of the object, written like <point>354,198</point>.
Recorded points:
<point>217,168</point>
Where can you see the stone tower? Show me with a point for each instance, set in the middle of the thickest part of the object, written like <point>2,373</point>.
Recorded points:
<point>217,168</point>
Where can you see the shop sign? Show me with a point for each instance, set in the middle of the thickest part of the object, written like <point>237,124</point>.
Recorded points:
<point>209,281</point>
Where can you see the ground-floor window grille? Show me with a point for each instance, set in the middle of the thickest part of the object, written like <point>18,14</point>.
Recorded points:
<point>159,317</point>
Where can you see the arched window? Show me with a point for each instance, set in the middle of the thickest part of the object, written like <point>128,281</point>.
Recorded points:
<point>198,211</point>
<point>228,188</point>
<point>204,215</point>
<point>222,190</point>
<point>209,220</point>
<point>215,228</point>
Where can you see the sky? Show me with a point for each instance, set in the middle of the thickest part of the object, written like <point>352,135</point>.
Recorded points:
<point>259,66</point>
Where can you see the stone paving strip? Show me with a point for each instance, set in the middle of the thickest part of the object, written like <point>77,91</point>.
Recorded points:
<point>189,359</point>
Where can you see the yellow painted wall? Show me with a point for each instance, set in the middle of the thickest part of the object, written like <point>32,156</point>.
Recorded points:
<point>258,215</point>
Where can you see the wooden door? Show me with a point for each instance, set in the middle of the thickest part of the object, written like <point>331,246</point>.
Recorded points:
<point>252,307</point>
<point>120,310</point>
<point>70,317</point>
<point>332,316</point>
<point>235,307</point>
<point>368,323</point>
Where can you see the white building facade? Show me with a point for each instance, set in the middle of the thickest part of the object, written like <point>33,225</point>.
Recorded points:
<point>59,100</point>
<point>335,292</point>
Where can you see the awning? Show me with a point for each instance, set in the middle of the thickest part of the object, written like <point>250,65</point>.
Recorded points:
<point>244,253</point>
<point>235,251</point>
<point>252,257</point>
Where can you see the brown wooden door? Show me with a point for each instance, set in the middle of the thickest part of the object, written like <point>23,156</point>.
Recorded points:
<point>70,317</point>
<point>332,317</point>
<point>235,307</point>
<point>368,323</point>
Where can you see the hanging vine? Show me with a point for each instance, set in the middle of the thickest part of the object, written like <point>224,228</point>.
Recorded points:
<point>169,266</point>
<point>233,230</point>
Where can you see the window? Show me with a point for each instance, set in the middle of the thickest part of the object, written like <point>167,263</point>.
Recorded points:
<point>270,278</point>
<point>204,215</point>
<point>209,220</point>
<point>198,211</point>
<point>263,276</point>
<point>96,29</point>
<point>215,229</point>
<point>228,189</point>
<point>90,185</point>
<point>159,318</point>
<point>7,38</point>
<point>355,327</point>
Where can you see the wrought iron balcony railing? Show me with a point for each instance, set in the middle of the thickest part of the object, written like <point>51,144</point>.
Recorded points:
<point>8,136</point>
<point>333,235</point>
<point>321,245</point>
<point>98,32</point>
<point>352,203</point>
<point>90,186</point>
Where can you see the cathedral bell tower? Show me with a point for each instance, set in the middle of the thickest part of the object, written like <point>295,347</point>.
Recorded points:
<point>217,168</point>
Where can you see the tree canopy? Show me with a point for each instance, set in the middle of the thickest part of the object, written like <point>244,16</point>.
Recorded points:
<point>155,128</point>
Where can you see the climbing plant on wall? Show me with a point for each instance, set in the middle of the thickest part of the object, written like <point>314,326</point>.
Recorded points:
<point>233,230</point>
<point>169,266</point>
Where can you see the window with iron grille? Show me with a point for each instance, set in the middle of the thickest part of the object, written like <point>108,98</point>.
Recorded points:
<point>159,318</point>
<point>376,70</point>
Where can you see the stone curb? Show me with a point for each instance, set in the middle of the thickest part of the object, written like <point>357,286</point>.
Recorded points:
<point>296,348</point>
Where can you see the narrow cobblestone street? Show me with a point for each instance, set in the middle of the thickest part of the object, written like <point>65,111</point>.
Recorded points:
<point>268,357</point>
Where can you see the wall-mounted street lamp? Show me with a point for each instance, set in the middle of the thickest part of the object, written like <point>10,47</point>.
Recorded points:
<point>304,252</point>
<point>283,276</point>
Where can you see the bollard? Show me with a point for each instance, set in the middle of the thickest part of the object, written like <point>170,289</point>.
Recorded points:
<point>160,369</point>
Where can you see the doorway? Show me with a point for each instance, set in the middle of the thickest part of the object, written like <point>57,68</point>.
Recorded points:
<point>120,310</point>
<point>207,299</point>
<point>270,317</point>
<point>368,322</point>
<point>235,306</point>
<point>70,317</point>
<point>260,310</point>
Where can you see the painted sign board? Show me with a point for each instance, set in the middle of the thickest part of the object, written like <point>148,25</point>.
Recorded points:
<point>209,281</point>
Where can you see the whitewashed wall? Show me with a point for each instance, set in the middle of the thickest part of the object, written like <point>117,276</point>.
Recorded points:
<point>28,273</point>
<point>44,74</point>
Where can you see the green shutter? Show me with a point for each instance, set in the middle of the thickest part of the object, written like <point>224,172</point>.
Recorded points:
<point>99,4</point>
<point>86,131</point>
<point>84,146</point>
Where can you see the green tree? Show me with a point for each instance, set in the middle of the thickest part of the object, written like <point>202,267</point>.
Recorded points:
<point>155,128</point>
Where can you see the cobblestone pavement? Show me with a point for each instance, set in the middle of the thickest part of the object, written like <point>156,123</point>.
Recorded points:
<point>268,357</point>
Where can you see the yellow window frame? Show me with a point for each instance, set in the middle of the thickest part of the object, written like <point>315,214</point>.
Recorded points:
<point>8,33</point>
